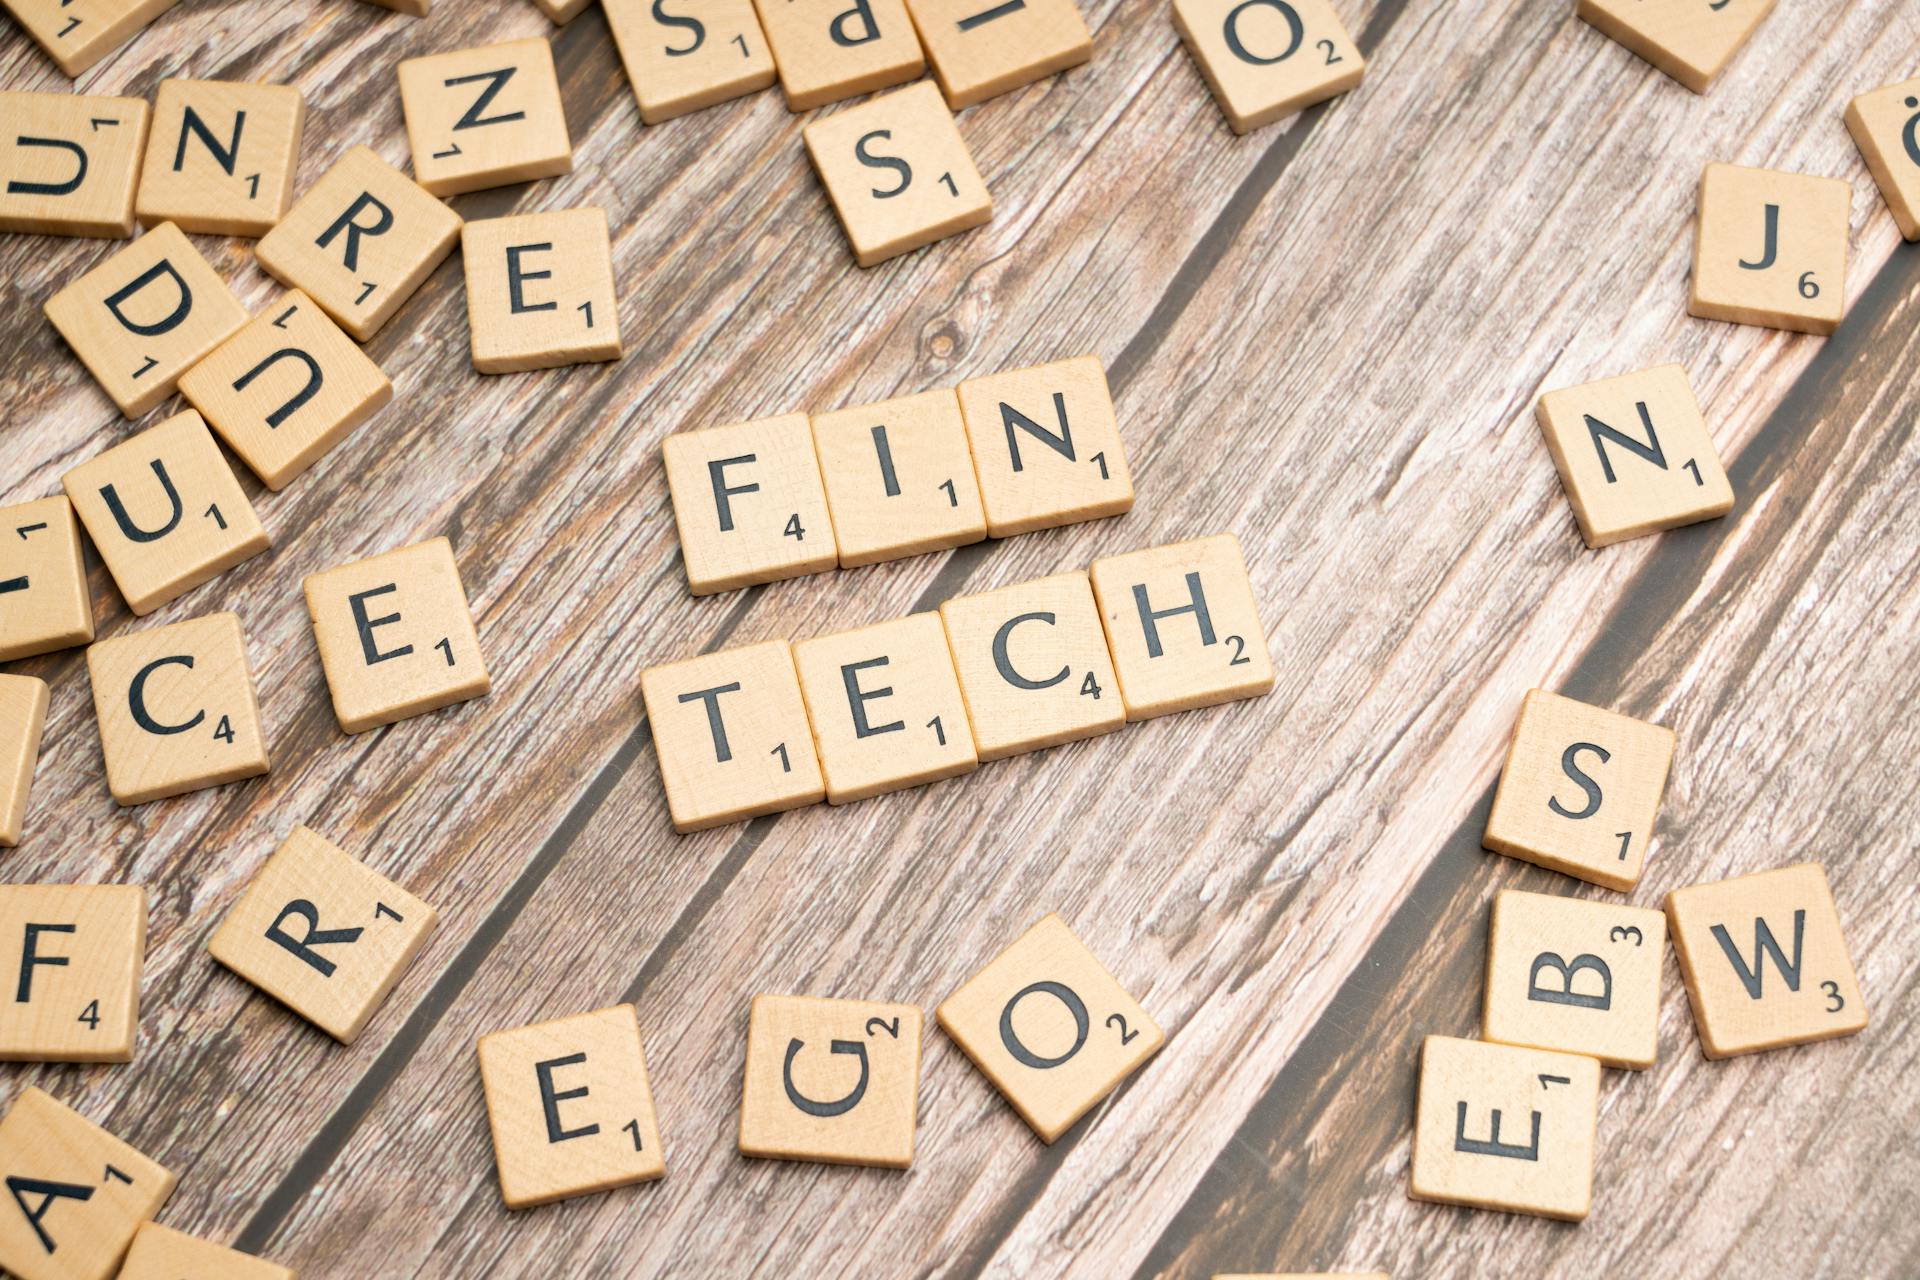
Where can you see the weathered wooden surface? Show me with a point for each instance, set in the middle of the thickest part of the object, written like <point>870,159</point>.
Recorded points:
<point>1327,337</point>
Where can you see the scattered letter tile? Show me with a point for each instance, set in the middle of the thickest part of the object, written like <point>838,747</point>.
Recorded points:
<point>1268,59</point>
<point>1634,455</point>
<point>1690,42</point>
<point>286,389</point>
<point>145,316</point>
<point>898,172</point>
<point>1885,125</point>
<point>832,49</point>
<point>222,157</point>
<point>360,241</point>
<point>540,290</point>
<point>161,1253</point>
<point>396,636</point>
<point>176,709</point>
<point>23,715</point>
<point>731,736</point>
<point>681,62</point>
<point>1580,790</point>
<point>1046,446</point>
<point>1764,960</point>
<point>487,117</point>
<point>831,1080</point>
<point>1771,249</point>
<point>71,955</point>
<point>1577,976</point>
<point>885,707</point>
<point>748,502</point>
<point>81,1192</point>
<point>1500,1127</point>
<point>323,934</point>
<point>570,1107</point>
<point>165,511</point>
<point>1049,1027</point>
<point>983,48</point>
<point>899,478</point>
<point>1182,626</point>
<point>78,33</point>
<point>44,603</point>
<point>69,163</point>
<point>1033,665</point>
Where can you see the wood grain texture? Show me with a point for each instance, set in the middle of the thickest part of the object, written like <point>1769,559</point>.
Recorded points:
<point>1325,337</point>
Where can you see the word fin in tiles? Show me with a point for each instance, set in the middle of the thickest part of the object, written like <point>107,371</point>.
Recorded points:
<point>1046,445</point>
<point>685,61</point>
<point>165,511</point>
<point>837,1081</point>
<point>70,163</point>
<point>983,48</point>
<point>72,956</point>
<point>487,117</point>
<point>1050,1027</point>
<point>161,1253</point>
<point>1500,1127</point>
<point>748,503</point>
<point>44,601</point>
<point>1885,125</point>
<point>1765,962</point>
<point>222,157</point>
<point>360,242</point>
<point>1268,59</point>
<point>540,290</point>
<point>396,636</point>
<point>827,50</point>
<point>80,1192</point>
<point>899,478</point>
<point>1580,790</point>
<point>1574,975</point>
<point>731,736</point>
<point>325,935</point>
<point>23,717</point>
<point>145,316</point>
<point>1692,43</point>
<point>78,33</point>
<point>1634,455</point>
<point>898,173</point>
<point>570,1107</point>
<point>1770,249</point>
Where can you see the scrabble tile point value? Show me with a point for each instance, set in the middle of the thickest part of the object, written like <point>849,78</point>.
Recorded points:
<point>1770,249</point>
<point>485,117</point>
<point>682,62</point>
<point>222,157</point>
<point>1580,790</point>
<point>827,50</point>
<point>161,1253</point>
<point>71,163</point>
<point>980,49</point>
<point>836,1081</point>
<point>92,1192</point>
<point>44,601</point>
<point>1269,59</point>
<point>540,290</point>
<point>749,503</point>
<point>1046,446</point>
<point>1765,961</point>
<point>899,478</point>
<point>1575,975</point>
<point>73,954</point>
<point>1691,43</point>
<point>1885,125</point>
<point>23,715</point>
<point>78,33</point>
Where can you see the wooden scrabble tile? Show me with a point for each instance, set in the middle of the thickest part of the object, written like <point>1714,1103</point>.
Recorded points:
<point>982,48</point>
<point>540,290</point>
<point>561,11</point>
<point>1634,454</point>
<point>898,172</point>
<point>145,316</point>
<point>1046,446</point>
<point>323,934</point>
<point>570,1107</point>
<point>836,1081</point>
<point>899,478</point>
<point>161,1253</point>
<point>1033,665</point>
<point>1500,1127</point>
<point>1729,934</point>
<point>360,241</point>
<point>1885,125</point>
<point>80,1191</point>
<point>396,636</point>
<point>827,50</point>
<point>680,62</point>
<point>1182,626</point>
<point>286,389</point>
<point>1268,59</point>
<point>44,602</point>
<point>70,163</point>
<point>72,955</point>
<point>885,707</point>
<point>1573,975</point>
<point>165,511</point>
<point>486,117</point>
<point>176,709</point>
<point>1580,790</point>
<point>1690,42</point>
<point>1771,249</point>
<point>78,33</point>
<point>1049,1027</point>
<point>731,735</point>
<point>749,503</point>
<point>222,157</point>
<point>23,714</point>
